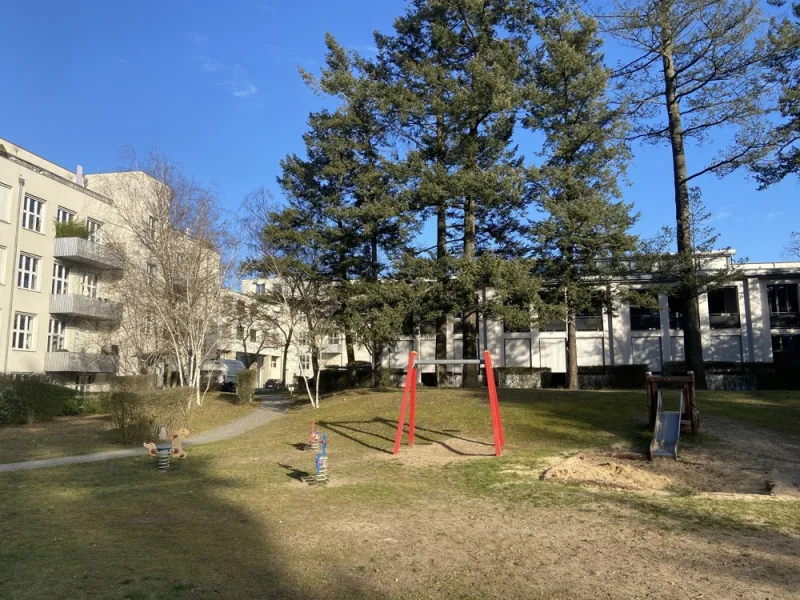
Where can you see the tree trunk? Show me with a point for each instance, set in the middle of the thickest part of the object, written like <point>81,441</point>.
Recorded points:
<point>692,341</point>
<point>351,358</point>
<point>469,343</point>
<point>377,366</point>
<point>441,320</point>
<point>286,347</point>
<point>572,351</point>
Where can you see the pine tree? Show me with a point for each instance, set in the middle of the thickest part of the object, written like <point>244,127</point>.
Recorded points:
<point>584,236</point>
<point>702,60</point>
<point>456,73</point>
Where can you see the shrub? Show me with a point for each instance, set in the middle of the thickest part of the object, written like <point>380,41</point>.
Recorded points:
<point>73,228</point>
<point>134,383</point>
<point>743,375</point>
<point>522,377</point>
<point>138,415</point>
<point>337,380</point>
<point>32,398</point>
<point>90,403</point>
<point>245,386</point>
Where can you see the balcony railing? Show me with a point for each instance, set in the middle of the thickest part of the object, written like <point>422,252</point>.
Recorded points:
<point>75,305</point>
<point>724,321</point>
<point>589,323</point>
<point>332,348</point>
<point>86,252</point>
<point>79,362</point>
<point>784,320</point>
<point>646,322</point>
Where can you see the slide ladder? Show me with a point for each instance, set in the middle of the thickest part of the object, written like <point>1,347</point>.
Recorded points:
<point>667,431</point>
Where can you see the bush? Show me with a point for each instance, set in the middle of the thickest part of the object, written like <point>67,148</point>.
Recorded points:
<point>338,380</point>
<point>32,398</point>
<point>138,415</point>
<point>245,386</point>
<point>89,403</point>
<point>522,377</point>
<point>739,376</point>
<point>134,383</point>
<point>73,228</point>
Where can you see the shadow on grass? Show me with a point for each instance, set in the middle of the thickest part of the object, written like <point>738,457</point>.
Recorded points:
<point>295,473</point>
<point>123,529</point>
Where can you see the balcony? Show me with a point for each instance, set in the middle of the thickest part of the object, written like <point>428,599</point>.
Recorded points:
<point>784,320</point>
<point>79,362</point>
<point>75,305</point>
<point>724,321</point>
<point>589,323</point>
<point>332,348</point>
<point>85,252</point>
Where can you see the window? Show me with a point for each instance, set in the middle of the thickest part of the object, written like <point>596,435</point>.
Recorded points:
<point>2,265</point>
<point>60,279</point>
<point>786,349</point>
<point>148,328</point>
<point>240,331</point>
<point>240,307</point>
<point>28,272</point>
<point>22,336</point>
<point>675,308</point>
<point>783,305</point>
<point>151,273</point>
<point>644,318</point>
<point>5,202</point>
<point>273,363</point>
<point>302,338</point>
<point>94,230</point>
<point>32,214</point>
<point>334,339</point>
<point>591,319</point>
<point>152,225</point>
<point>252,335</point>
<point>305,362</point>
<point>458,326</point>
<point>64,216</point>
<point>89,285</point>
<point>56,335</point>
<point>723,308</point>
<point>261,289</point>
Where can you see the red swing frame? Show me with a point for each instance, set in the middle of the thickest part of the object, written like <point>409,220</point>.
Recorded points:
<point>410,397</point>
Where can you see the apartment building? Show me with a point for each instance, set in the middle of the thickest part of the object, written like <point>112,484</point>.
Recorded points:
<point>755,318</point>
<point>53,310</point>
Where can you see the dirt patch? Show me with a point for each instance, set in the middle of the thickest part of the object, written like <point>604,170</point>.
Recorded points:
<point>738,460</point>
<point>438,453</point>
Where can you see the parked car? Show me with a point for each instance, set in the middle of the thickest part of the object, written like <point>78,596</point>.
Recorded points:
<point>223,372</point>
<point>272,384</point>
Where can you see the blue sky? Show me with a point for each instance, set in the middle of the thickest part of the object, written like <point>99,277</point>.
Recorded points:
<point>215,87</point>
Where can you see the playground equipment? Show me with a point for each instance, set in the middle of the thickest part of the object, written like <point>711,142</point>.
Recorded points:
<point>410,397</point>
<point>666,425</point>
<point>314,439</point>
<point>321,476</point>
<point>165,448</point>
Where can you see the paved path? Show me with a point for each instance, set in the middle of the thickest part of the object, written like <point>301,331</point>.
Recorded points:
<point>270,408</point>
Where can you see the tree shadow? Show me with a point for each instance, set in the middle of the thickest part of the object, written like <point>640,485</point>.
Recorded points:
<point>296,474</point>
<point>123,529</point>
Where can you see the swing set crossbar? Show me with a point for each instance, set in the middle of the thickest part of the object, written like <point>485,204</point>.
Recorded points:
<point>467,361</point>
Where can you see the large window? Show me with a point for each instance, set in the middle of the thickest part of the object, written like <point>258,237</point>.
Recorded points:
<point>783,305</point>
<point>28,272</point>
<point>56,335</point>
<point>5,202</point>
<point>675,310</point>
<point>152,226</point>
<point>253,335</point>
<point>60,279</point>
<point>260,289</point>
<point>33,214</point>
<point>591,319</point>
<point>723,308</point>
<point>2,264</point>
<point>334,338</point>
<point>644,318</point>
<point>64,216</point>
<point>786,349</point>
<point>305,362</point>
<point>302,338</point>
<point>22,336</point>
<point>94,230</point>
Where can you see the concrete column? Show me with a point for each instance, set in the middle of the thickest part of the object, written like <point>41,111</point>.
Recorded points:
<point>705,326</point>
<point>621,332</point>
<point>666,341</point>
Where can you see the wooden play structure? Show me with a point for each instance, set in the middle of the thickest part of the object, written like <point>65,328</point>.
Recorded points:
<point>410,397</point>
<point>690,416</point>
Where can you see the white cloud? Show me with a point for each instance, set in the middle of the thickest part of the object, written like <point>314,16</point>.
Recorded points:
<point>197,38</point>
<point>236,78</point>
<point>774,215</point>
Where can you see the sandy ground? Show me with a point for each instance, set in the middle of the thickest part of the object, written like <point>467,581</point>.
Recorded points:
<point>738,460</point>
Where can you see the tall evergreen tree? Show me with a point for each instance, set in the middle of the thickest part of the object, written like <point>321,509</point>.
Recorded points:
<point>702,60</point>
<point>456,74</point>
<point>584,236</point>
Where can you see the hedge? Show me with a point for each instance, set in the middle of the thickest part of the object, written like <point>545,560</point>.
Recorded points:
<point>31,398</point>
<point>338,380</point>
<point>138,415</point>
<point>245,386</point>
<point>523,377</point>
<point>743,376</point>
<point>616,377</point>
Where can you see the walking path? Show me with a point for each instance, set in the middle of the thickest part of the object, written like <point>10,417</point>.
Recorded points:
<point>270,408</point>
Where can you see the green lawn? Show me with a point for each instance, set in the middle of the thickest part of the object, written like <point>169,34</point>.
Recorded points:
<point>233,520</point>
<point>68,436</point>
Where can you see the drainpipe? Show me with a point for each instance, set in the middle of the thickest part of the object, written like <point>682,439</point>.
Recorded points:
<point>14,259</point>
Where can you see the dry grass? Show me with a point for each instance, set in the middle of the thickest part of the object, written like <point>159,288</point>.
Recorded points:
<point>233,520</point>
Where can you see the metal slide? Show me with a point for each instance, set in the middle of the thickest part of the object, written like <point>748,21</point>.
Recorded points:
<point>667,433</point>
